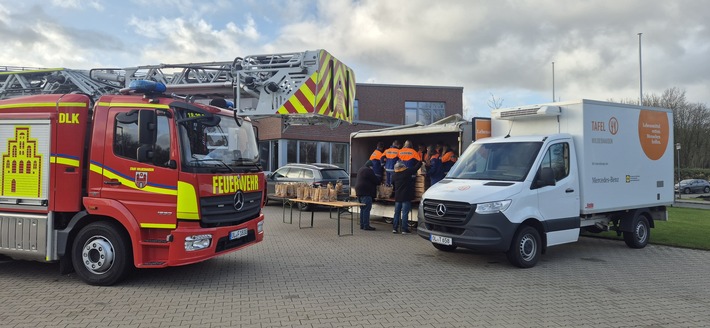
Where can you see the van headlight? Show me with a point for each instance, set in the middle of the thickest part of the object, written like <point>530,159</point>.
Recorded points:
<point>493,207</point>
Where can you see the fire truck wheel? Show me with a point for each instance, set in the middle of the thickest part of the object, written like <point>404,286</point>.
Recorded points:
<point>101,254</point>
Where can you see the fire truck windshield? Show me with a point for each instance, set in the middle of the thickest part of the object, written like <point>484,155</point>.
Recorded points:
<point>215,143</point>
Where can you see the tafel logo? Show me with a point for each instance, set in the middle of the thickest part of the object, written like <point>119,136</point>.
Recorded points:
<point>613,125</point>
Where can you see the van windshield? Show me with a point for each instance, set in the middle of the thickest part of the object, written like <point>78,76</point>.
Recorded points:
<point>510,161</point>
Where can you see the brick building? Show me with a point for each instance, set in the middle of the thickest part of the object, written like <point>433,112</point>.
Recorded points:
<point>376,106</point>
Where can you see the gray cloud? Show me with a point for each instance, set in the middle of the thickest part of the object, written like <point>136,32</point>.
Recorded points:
<point>486,45</point>
<point>500,47</point>
<point>34,38</point>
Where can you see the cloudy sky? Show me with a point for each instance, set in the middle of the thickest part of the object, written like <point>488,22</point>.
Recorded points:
<point>500,48</point>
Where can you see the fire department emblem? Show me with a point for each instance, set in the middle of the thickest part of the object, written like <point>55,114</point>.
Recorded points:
<point>141,179</point>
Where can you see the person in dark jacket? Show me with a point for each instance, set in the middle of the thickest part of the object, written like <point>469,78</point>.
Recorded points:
<point>403,195</point>
<point>366,190</point>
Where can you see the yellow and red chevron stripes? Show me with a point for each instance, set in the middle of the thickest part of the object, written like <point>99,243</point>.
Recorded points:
<point>330,91</point>
<point>302,100</point>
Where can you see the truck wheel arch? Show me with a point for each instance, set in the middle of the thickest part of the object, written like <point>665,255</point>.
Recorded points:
<point>540,230</point>
<point>65,237</point>
<point>626,223</point>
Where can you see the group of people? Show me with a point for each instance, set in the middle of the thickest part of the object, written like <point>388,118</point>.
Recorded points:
<point>399,165</point>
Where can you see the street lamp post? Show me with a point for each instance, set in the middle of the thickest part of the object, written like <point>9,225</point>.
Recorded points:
<point>677,148</point>
<point>640,75</point>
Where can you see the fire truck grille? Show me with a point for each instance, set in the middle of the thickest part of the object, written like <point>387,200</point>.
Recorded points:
<point>447,212</point>
<point>219,211</point>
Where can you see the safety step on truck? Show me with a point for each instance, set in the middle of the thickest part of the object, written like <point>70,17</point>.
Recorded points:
<point>550,171</point>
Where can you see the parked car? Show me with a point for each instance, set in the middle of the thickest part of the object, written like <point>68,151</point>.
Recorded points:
<point>316,174</point>
<point>693,185</point>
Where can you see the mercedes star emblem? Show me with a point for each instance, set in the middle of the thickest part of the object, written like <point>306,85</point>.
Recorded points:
<point>238,200</point>
<point>440,210</point>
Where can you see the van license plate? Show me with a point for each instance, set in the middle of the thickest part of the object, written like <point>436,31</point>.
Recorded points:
<point>440,240</point>
<point>236,234</point>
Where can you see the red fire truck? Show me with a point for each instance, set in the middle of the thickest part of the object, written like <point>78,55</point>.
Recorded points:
<point>142,179</point>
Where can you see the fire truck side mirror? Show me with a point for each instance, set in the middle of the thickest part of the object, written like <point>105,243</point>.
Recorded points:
<point>145,153</point>
<point>147,127</point>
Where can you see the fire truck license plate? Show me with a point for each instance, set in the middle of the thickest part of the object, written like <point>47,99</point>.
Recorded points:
<point>440,240</point>
<point>236,234</point>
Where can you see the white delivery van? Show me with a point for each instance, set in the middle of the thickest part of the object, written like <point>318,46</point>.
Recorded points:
<point>549,171</point>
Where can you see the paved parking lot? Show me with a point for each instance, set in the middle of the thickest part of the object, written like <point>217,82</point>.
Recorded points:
<point>313,278</point>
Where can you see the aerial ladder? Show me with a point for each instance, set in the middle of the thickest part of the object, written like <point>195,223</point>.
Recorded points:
<point>305,88</point>
<point>24,81</point>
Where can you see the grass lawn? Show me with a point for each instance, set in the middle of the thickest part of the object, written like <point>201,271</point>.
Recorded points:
<point>686,227</point>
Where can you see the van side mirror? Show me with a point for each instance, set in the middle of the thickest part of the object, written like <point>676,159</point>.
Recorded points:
<point>544,178</point>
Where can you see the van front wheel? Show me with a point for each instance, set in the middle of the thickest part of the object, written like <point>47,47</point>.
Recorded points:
<point>526,247</point>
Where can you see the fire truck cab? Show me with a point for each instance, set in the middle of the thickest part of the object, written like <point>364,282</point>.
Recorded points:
<point>145,181</point>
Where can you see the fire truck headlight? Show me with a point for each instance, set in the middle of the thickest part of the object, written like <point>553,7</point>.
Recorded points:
<point>260,227</point>
<point>197,242</point>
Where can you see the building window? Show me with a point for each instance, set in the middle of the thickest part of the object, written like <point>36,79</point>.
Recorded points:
<point>264,155</point>
<point>424,112</point>
<point>324,152</point>
<point>291,151</point>
<point>356,111</point>
<point>340,155</point>
<point>307,151</point>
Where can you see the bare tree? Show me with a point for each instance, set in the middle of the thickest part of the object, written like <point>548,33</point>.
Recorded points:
<point>495,103</point>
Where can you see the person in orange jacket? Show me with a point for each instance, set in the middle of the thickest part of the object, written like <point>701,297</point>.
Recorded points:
<point>390,160</point>
<point>377,158</point>
<point>408,155</point>
<point>448,158</point>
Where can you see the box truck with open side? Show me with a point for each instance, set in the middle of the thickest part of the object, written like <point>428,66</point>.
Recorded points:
<point>452,130</point>
<point>550,171</point>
